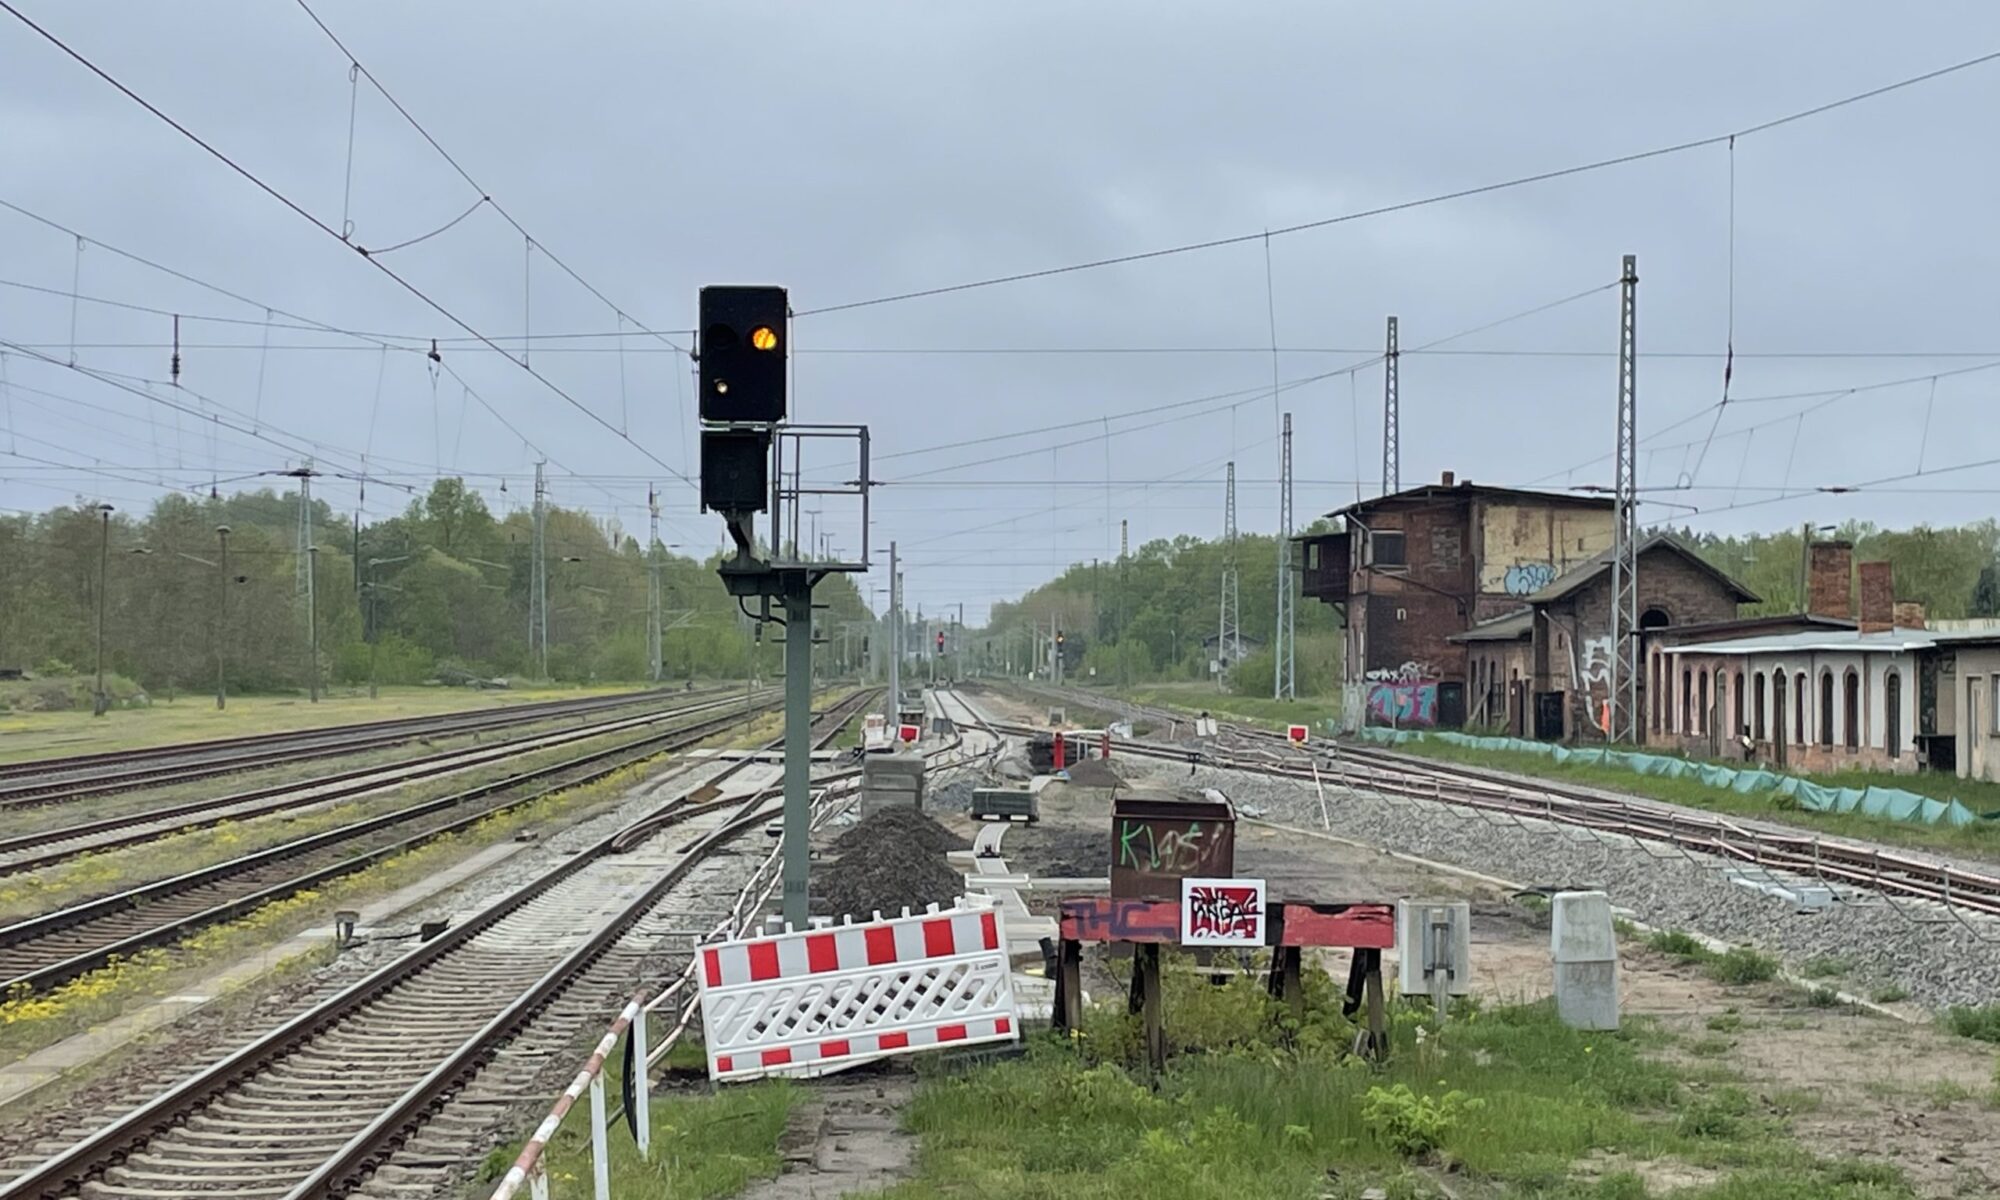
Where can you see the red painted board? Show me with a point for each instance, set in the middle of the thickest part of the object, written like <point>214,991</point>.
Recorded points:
<point>1362,926</point>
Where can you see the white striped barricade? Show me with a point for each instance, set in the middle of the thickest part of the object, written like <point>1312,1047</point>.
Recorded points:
<point>816,1001</point>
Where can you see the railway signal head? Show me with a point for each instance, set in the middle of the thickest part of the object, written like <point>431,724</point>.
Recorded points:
<point>742,354</point>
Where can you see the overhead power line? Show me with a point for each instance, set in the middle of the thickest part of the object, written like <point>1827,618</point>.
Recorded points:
<point>485,196</point>
<point>333,233</point>
<point>1404,206</point>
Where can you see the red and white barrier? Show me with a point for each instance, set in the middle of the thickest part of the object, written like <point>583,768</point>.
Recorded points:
<point>811,1002</point>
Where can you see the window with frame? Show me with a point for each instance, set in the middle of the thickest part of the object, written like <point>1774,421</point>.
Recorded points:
<point>1386,549</point>
<point>1993,705</point>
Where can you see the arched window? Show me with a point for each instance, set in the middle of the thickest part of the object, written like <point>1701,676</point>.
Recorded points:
<point>1799,709</point>
<point>1825,707</point>
<point>1851,710</point>
<point>1757,703</point>
<point>1655,618</point>
<point>1719,716</point>
<point>1687,702</point>
<point>1739,718</point>
<point>1701,715</point>
<point>1892,715</point>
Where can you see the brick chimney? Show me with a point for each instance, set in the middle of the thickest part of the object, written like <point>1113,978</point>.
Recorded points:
<point>1830,580</point>
<point>1878,597</point>
<point>1447,479</point>
<point>1910,614</point>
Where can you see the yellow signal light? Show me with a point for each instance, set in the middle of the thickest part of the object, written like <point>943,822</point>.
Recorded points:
<point>764,338</point>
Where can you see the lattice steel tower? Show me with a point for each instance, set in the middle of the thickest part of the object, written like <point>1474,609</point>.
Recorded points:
<point>1392,466</point>
<point>1625,534</point>
<point>1229,631</point>
<point>1284,673</point>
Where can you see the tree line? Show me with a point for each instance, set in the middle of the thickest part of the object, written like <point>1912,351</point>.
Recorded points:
<point>440,590</point>
<point>1145,618</point>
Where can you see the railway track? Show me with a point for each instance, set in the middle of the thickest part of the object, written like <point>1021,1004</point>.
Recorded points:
<point>1837,862</point>
<point>45,848</point>
<point>52,948</point>
<point>59,780</point>
<point>387,1088</point>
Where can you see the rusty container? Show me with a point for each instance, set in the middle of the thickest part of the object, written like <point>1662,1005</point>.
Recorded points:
<point>1158,839</point>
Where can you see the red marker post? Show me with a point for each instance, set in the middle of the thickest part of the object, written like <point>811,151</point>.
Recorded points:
<point>1296,734</point>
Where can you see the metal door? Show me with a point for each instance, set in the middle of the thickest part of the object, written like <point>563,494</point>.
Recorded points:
<point>1451,705</point>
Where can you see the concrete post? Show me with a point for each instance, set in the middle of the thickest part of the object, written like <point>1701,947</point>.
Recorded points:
<point>798,743</point>
<point>1585,947</point>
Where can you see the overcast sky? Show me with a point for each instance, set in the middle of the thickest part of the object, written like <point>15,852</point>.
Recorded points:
<point>858,150</point>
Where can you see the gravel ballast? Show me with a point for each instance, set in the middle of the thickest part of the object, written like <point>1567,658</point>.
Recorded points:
<point>1922,948</point>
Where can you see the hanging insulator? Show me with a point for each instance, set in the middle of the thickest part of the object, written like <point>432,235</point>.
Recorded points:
<point>175,365</point>
<point>434,355</point>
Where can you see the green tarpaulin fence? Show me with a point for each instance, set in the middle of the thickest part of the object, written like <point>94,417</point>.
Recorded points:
<point>1893,803</point>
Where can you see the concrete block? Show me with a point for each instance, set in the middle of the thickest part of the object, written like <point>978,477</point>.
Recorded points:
<point>1418,948</point>
<point>1585,948</point>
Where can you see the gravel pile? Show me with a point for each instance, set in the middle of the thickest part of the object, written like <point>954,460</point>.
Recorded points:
<point>1094,772</point>
<point>893,859</point>
<point>1934,957</point>
<point>955,796</point>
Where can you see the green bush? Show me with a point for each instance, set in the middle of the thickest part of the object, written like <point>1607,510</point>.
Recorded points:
<point>1409,1124</point>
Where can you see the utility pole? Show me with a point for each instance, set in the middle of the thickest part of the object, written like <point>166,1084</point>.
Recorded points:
<point>538,582</point>
<point>653,638</point>
<point>312,624</point>
<point>303,559</point>
<point>1624,724</point>
<point>1392,468</point>
<point>1285,675</point>
<point>895,637</point>
<point>101,703</point>
<point>221,615</point>
<point>1229,631</point>
<point>1124,552</point>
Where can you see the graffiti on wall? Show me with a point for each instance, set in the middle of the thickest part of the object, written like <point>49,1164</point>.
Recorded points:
<point>1413,671</point>
<point>1597,661</point>
<point>1403,704</point>
<point>1525,579</point>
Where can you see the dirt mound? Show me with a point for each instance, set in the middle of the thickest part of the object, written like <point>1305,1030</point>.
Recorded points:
<point>891,860</point>
<point>900,824</point>
<point>1094,772</point>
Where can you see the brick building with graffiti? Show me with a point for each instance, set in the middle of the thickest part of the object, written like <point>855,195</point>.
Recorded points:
<point>1412,570</point>
<point>1466,604</point>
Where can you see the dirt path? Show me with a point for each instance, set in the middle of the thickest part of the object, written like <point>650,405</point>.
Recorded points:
<point>845,1137</point>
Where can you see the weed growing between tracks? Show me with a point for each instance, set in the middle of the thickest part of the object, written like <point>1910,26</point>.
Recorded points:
<point>93,875</point>
<point>1505,1102</point>
<point>31,1021</point>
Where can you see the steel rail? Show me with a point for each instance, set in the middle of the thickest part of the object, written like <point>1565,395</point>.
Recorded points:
<point>37,783</point>
<point>299,793</point>
<point>49,926</point>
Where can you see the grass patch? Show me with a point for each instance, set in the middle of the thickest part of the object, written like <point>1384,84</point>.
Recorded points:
<point>1946,1092</point>
<point>193,717</point>
<point>1826,966</point>
<point>1678,944</point>
<point>1740,965</point>
<point>1822,997</point>
<point>1890,993</point>
<point>1981,837</point>
<point>1508,1100</point>
<point>1710,1047</point>
<point>1728,1022</point>
<point>1981,1023</point>
<point>703,1146</point>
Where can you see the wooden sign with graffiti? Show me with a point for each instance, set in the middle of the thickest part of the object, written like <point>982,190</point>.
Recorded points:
<point>1283,923</point>
<point>1157,842</point>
